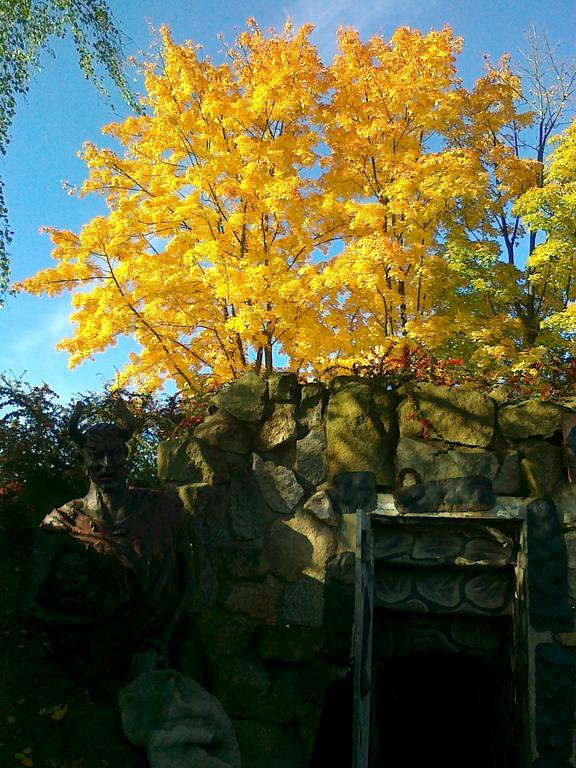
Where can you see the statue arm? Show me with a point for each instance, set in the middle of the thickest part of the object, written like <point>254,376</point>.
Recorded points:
<point>184,567</point>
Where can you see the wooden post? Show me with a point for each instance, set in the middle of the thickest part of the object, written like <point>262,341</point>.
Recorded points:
<point>569,430</point>
<point>362,645</point>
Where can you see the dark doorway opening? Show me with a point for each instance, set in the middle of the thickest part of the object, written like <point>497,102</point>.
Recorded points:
<point>444,709</point>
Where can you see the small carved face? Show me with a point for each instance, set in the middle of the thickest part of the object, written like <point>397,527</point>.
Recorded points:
<point>71,574</point>
<point>105,457</point>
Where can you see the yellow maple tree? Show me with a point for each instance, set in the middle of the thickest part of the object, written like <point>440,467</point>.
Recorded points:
<point>204,255</point>
<point>270,207</point>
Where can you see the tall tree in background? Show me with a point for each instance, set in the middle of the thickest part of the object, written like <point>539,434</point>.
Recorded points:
<point>214,215</point>
<point>550,208</point>
<point>26,30</point>
<point>240,176</point>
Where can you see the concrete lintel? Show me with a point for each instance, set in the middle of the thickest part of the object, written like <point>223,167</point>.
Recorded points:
<point>506,508</point>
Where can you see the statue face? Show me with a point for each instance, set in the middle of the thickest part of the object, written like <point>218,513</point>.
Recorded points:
<point>105,458</point>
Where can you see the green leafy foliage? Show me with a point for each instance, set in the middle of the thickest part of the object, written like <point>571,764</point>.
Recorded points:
<point>26,30</point>
<point>40,466</point>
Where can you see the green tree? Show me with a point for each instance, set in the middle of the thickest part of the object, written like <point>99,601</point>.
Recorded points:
<point>27,28</point>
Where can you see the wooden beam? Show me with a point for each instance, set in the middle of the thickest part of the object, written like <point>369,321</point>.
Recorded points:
<point>362,644</point>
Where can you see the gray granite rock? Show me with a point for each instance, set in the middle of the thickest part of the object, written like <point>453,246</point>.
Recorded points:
<point>252,689</point>
<point>223,431</point>
<point>278,485</point>
<point>320,505</point>
<point>530,418</point>
<point>303,603</point>
<point>310,412</point>
<point>357,441</point>
<point>256,599</point>
<point>224,633</point>
<point>245,560</point>
<point>386,404</point>
<point>289,552</point>
<point>542,467</point>
<point>508,479</point>
<point>283,388</point>
<point>208,505</point>
<point>189,460</point>
<point>456,415</point>
<point>244,398</point>
<point>247,506</point>
<point>301,546</point>
<point>434,460</point>
<point>311,463</point>
<point>278,428</point>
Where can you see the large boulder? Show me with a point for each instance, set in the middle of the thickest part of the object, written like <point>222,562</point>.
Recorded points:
<point>256,599</point>
<point>542,467</point>
<point>357,440</point>
<point>531,418</point>
<point>310,412</point>
<point>278,484</point>
<point>302,603</point>
<point>289,643</point>
<point>434,460</point>
<point>245,560</point>
<point>386,405</point>
<point>189,460</point>
<point>244,398</point>
<point>223,431</point>
<point>207,505</point>
<point>455,415</point>
<point>278,428</point>
<point>321,507</point>
<point>283,388</point>
<point>247,508</point>
<point>224,633</point>
<point>301,546</point>
<point>311,463</point>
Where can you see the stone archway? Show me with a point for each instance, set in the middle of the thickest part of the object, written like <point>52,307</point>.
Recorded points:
<point>448,654</point>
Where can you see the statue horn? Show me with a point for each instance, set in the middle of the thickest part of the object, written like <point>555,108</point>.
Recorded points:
<point>127,421</point>
<point>73,430</point>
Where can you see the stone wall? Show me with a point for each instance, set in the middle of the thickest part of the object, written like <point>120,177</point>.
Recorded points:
<point>272,480</point>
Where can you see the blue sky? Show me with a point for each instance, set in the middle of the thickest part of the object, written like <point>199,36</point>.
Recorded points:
<point>62,111</point>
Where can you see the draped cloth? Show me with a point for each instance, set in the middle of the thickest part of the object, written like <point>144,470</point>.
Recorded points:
<point>177,722</point>
<point>122,584</point>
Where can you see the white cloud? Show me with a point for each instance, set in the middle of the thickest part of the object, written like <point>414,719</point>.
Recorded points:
<point>369,17</point>
<point>31,327</point>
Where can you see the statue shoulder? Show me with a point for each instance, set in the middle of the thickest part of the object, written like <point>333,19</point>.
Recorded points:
<point>65,517</point>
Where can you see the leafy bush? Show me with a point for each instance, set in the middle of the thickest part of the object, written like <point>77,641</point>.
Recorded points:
<point>40,466</point>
